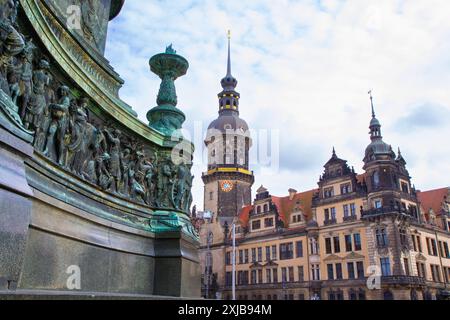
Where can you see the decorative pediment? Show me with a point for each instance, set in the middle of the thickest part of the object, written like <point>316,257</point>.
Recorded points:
<point>256,265</point>
<point>271,263</point>
<point>354,256</point>
<point>332,257</point>
<point>421,257</point>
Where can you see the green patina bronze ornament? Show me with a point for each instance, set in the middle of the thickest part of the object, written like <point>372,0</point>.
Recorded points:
<point>166,117</point>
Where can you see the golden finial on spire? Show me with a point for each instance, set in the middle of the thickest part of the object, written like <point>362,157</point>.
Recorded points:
<point>229,34</point>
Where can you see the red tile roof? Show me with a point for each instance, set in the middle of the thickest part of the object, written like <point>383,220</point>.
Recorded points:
<point>432,199</point>
<point>285,206</point>
<point>244,215</point>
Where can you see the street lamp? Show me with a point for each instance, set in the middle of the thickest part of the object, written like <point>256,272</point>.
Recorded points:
<point>233,271</point>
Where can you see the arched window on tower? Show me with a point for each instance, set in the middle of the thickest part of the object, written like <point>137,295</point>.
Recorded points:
<point>376,179</point>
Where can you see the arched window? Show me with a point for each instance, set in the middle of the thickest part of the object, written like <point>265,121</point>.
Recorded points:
<point>387,295</point>
<point>376,179</point>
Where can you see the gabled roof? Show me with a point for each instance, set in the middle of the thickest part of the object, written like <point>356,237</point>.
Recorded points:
<point>285,205</point>
<point>433,199</point>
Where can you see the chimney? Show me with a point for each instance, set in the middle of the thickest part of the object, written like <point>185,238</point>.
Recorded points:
<point>292,193</point>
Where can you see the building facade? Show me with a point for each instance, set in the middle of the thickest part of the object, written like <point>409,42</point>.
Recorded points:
<point>355,237</point>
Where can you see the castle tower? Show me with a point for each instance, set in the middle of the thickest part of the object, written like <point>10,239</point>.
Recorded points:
<point>391,205</point>
<point>228,180</point>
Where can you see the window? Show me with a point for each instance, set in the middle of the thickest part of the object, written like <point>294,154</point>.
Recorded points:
<point>352,209</point>
<point>328,192</point>
<point>406,265</point>
<point>256,225</point>
<point>253,254</point>
<point>381,236</point>
<point>268,275</point>
<point>291,274</point>
<point>330,272</point>
<point>259,254</point>
<point>403,239</point>
<point>351,270</point>
<point>301,273</point>
<point>362,294</point>
<point>328,246</point>
<point>228,279</point>
<point>348,243</point>
<point>385,266</point>
<point>357,239</point>
<point>228,258</point>
<point>435,274</point>
<point>338,271</point>
<point>241,256</point>
<point>405,187</point>
<point>413,239</point>
<point>211,195</point>
<point>301,296</point>
<point>275,275</point>
<point>260,276</point>
<point>376,179</point>
<point>314,246</point>
<point>360,269</point>
<point>274,252</point>
<point>268,222</point>
<point>246,256</point>
<point>346,211</point>
<point>377,204</point>
<point>421,269</point>
<point>253,277</point>
<point>333,213</point>
<point>286,251</point>
<point>419,243</point>
<point>352,295</point>
<point>346,188</point>
<point>327,214</point>
<point>266,207</point>
<point>441,249</point>
<point>299,249</point>
<point>268,253</point>
<point>446,251</point>
<point>283,275</point>
<point>433,247</point>
<point>337,246</point>
<point>315,272</point>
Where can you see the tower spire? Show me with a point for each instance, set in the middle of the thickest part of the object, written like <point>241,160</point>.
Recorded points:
<point>229,55</point>
<point>371,102</point>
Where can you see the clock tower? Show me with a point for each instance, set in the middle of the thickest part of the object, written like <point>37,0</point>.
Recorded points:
<point>228,180</point>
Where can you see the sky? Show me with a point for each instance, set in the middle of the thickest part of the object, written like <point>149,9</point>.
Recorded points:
<point>304,69</point>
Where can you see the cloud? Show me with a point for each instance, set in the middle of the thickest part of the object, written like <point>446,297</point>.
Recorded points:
<point>304,69</point>
<point>425,116</point>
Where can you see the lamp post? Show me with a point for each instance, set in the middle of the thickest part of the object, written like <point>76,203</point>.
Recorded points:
<point>233,258</point>
<point>208,262</point>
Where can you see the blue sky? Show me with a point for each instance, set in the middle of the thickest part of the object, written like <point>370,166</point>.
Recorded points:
<point>304,69</point>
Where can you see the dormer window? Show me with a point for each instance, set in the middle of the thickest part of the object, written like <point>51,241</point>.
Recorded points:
<point>405,188</point>
<point>328,192</point>
<point>297,218</point>
<point>346,188</point>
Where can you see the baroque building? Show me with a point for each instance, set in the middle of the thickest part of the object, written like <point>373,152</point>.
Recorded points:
<point>355,237</point>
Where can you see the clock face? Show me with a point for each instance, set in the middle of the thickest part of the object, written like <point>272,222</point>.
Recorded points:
<point>226,186</point>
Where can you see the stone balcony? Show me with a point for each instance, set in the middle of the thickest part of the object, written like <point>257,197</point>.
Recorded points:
<point>329,222</point>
